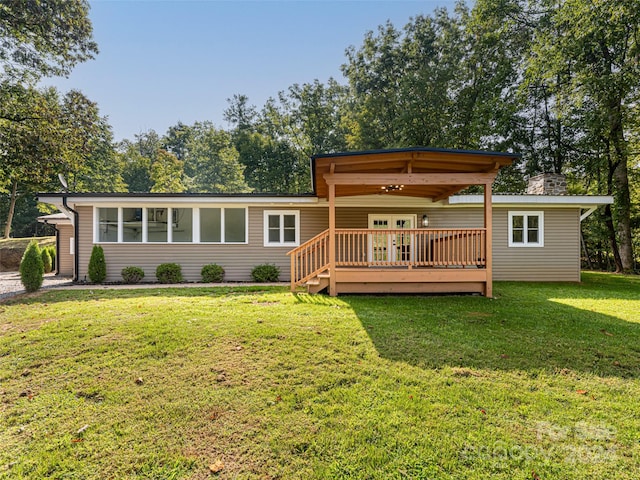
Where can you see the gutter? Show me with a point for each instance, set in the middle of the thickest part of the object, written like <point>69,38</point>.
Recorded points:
<point>76,231</point>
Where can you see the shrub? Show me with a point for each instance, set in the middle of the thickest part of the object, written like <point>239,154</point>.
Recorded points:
<point>169,273</point>
<point>32,267</point>
<point>132,274</point>
<point>265,273</point>
<point>52,254</point>
<point>212,273</point>
<point>97,265</point>
<point>46,259</point>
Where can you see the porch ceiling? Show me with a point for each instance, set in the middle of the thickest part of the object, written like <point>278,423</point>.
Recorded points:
<point>369,172</point>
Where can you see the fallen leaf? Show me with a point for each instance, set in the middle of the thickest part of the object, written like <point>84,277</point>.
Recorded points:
<point>616,363</point>
<point>535,476</point>
<point>609,334</point>
<point>278,398</point>
<point>581,392</point>
<point>216,467</point>
<point>483,411</point>
<point>76,440</point>
<point>504,355</point>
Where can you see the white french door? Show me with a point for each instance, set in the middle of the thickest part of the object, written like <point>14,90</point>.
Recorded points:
<point>391,248</point>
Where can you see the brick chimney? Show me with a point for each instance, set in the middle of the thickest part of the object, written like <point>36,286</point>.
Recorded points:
<point>547,184</point>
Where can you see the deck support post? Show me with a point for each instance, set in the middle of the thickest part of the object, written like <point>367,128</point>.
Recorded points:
<point>488,225</point>
<point>332,241</point>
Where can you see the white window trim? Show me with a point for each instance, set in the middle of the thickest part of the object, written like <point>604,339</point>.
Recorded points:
<point>195,212</point>
<point>525,243</point>
<point>280,213</point>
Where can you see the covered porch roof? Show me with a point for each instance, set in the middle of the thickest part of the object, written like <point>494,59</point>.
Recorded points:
<point>419,171</point>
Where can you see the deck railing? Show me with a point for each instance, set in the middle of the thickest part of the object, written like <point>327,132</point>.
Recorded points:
<point>416,247</point>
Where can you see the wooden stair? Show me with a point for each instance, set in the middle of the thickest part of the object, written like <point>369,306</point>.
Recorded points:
<point>318,283</point>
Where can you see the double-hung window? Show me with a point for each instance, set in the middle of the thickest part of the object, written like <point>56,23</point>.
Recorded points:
<point>281,228</point>
<point>526,229</point>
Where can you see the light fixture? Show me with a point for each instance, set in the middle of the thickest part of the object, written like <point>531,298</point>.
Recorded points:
<point>392,188</point>
<point>425,220</point>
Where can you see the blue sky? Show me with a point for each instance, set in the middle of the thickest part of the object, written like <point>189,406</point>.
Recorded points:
<point>166,61</point>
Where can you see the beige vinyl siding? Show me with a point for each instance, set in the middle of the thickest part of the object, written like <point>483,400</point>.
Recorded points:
<point>558,260</point>
<point>237,259</point>
<point>65,259</point>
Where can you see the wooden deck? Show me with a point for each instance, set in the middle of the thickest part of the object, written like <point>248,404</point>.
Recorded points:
<point>394,261</point>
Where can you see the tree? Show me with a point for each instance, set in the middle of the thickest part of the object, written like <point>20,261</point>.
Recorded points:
<point>32,267</point>
<point>37,39</point>
<point>30,149</point>
<point>215,162</point>
<point>43,38</point>
<point>166,174</point>
<point>91,163</point>
<point>593,47</point>
<point>176,141</point>
<point>137,156</point>
<point>97,265</point>
<point>53,136</point>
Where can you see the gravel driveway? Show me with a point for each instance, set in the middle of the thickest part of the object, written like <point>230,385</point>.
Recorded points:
<point>10,283</point>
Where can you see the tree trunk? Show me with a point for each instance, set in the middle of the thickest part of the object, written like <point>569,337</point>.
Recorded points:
<point>623,210</point>
<point>620,179</point>
<point>608,217</point>
<point>12,208</point>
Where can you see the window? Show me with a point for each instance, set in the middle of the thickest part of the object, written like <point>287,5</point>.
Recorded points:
<point>223,225</point>
<point>281,228</point>
<point>170,225</point>
<point>157,224</point>
<point>526,229</point>
<point>107,224</point>
<point>131,224</point>
<point>182,225</point>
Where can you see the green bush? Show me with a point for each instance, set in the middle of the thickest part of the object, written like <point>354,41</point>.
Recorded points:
<point>32,268</point>
<point>132,274</point>
<point>265,273</point>
<point>97,265</point>
<point>52,254</point>
<point>169,273</point>
<point>212,273</point>
<point>46,259</point>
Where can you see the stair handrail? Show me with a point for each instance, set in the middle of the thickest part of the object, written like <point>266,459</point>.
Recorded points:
<point>314,255</point>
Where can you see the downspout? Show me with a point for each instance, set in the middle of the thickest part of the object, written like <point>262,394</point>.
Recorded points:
<point>76,230</point>
<point>57,245</point>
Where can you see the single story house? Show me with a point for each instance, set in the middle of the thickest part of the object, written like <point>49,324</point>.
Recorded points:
<point>377,221</point>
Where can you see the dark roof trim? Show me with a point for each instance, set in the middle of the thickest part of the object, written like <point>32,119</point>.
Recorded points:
<point>417,149</point>
<point>173,195</point>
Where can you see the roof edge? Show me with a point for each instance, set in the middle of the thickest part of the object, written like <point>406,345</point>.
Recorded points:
<point>415,149</point>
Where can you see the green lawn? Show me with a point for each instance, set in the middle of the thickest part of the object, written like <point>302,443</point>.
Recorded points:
<point>541,382</point>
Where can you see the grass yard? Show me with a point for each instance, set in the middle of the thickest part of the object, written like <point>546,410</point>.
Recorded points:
<point>541,383</point>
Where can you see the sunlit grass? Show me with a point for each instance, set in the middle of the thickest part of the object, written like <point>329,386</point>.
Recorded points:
<point>164,383</point>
